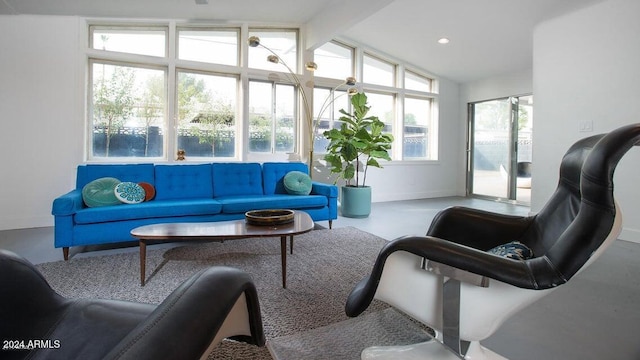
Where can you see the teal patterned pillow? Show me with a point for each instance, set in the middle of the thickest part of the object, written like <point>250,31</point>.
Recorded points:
<point>513,250</point>
<point>129,193</point>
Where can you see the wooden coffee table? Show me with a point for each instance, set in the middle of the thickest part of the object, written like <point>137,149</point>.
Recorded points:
<point>222,230</point>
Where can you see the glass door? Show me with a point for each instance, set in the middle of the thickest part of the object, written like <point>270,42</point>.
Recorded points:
<point>499,149</point>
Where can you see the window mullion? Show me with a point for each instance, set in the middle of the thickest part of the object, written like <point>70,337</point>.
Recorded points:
<point>274,94</point>
<point>171,125</point>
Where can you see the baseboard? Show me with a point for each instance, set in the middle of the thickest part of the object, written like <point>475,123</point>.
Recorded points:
<point>26,223</point>
<point>412,196</point>
<point>631,235</point>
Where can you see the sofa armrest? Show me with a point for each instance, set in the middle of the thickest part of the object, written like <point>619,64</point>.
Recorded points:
<point>318,188</point>
<point>67,204</point>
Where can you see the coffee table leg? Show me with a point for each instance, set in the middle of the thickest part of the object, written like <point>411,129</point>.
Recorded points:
<point>283,258</point>
<point>291,244</point>
<point>143,260</point>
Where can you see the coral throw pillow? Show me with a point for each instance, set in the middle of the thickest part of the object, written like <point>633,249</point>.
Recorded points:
<point>149,191</point>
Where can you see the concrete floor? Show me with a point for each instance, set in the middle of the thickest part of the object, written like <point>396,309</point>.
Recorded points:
<point>594,316</point>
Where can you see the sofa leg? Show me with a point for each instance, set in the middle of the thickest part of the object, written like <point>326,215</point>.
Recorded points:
<point>330,224</point>
<point>65,253</point>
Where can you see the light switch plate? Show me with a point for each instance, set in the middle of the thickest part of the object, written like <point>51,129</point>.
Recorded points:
<point>585,125</point>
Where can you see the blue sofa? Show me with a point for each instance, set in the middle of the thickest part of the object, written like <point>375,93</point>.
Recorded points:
<point>184,193</point>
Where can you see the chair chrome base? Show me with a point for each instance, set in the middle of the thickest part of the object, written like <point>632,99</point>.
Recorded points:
<point>427,350</point>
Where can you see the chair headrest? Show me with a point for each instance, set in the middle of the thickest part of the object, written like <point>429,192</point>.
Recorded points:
<point>580,215</point>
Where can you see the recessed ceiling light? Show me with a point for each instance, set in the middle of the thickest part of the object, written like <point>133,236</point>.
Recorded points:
<point>443,40</point>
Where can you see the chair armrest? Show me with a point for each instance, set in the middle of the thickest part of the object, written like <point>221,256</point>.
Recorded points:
<point>327,190</point>
<point>187,321</point>
<point>67,204</point>
<point>535,273</point>
<point>29,291</point>
<point>489,229</point>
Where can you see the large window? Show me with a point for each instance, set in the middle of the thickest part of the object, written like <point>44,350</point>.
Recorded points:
<point>128,112</point>
<point>326,112</point>
<point>283,42</point>
<point>406,107</point>
<point>150,41</point>
<point>382,106</point>
<point>217,46</point>
<point>206,114</point>
<point>417,123</point>
<point>335,61</point>
<point>167,86</point>
<point>413,81</point>
<point>378,72</point>
<point>271,117</point>
<point>129,95</point>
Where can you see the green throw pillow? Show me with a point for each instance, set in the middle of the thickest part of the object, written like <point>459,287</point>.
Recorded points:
<point>100,192</point>
<point>297,183</point>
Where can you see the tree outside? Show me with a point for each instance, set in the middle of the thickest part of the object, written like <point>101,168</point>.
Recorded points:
<point>113,99</point>
<point>129,105</point>
<point>204,109</point>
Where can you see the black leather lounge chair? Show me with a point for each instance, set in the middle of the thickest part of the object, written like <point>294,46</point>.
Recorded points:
<point>213,304</point>
<point>449,281</point>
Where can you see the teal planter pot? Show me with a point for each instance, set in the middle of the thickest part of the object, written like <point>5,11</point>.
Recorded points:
<point>356,201</point>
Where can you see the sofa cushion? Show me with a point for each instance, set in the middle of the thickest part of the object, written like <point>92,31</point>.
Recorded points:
<point>124,172</point>
<point>297,183</point>
<point>242,204</point>
<point>273,175</point>
<point>230,179</point>
<point>100,192</point>
<point>149,209</point>
<point>183,182</point>
<point>129,192</point>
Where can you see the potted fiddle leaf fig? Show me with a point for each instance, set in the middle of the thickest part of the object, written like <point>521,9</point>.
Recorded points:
<point>359,143</point>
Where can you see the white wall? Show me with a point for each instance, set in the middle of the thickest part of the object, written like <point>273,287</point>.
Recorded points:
<point>587,68</point>
<point>427,179</point>
<point>519,83</point>
<point>43,129</point>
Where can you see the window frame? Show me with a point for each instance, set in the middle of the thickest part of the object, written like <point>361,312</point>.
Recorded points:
<point>274,119</point>
<point>237,126</point>
<point>394,70</point>
<point>429,126</point>
<point>236,30</point>
<point>295,67</point>
<point>244,74</point>
<point>89,121</point>
<point>331,109</point>
<point>351,71</point>
<point>416,74</point>
<point>130,27</point>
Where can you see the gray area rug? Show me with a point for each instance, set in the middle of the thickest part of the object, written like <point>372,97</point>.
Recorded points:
<point>346,339</point>
<point>323,269</point>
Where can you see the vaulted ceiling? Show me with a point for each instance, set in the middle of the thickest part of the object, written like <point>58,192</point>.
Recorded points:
<point>487,37</point>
